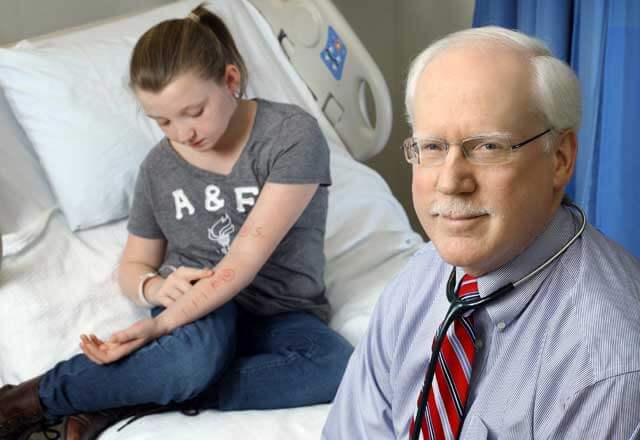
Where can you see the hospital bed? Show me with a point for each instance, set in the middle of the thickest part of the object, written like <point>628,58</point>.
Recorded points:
<point>71,139</point>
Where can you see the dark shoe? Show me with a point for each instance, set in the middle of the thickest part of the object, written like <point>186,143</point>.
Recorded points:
<point>88,426</point>
<point>21,413</point>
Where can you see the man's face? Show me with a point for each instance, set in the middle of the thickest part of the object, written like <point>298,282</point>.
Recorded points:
<point>481,216</point>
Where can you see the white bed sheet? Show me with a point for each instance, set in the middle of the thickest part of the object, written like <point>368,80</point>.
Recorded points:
<point>65,284</point>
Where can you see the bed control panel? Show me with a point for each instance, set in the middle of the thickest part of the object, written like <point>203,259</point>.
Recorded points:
<point>334,54</point>
<point>336,67</point>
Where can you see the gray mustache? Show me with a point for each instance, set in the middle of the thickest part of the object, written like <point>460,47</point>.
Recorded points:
<point>457,208</point>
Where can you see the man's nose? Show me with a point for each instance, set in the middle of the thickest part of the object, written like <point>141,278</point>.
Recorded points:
<point>455,175</point>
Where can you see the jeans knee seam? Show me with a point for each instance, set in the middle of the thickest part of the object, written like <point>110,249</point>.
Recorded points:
<point>289,358</point>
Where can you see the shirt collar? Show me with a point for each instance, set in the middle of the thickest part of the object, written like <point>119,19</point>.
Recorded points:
<point>502,312</point>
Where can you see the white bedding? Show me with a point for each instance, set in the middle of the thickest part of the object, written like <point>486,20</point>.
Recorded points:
<point>63,283</point>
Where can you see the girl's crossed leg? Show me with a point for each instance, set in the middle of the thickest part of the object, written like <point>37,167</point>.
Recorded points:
<point>174,368</point>
<point>286,360</point>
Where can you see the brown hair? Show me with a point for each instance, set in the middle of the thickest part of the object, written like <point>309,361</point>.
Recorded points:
<point>200,43</point>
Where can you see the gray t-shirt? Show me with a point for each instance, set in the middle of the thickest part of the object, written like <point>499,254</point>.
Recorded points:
<point>200,212</point>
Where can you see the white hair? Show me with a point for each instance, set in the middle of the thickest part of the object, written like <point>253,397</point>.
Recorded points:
<point>556,89</point>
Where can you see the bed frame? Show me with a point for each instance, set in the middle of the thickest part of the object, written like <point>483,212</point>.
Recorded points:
<point>342,76</point>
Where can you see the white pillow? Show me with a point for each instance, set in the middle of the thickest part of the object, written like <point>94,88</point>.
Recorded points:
<point>25,198</point>
<point>83,122</point>
<point>71,98</point>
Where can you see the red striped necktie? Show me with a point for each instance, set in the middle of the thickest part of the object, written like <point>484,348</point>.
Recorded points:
<point>450,386</point>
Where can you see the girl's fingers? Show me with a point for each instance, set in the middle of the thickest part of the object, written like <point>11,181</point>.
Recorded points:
<point>172,295</point>
<point>89,353</point>
<point>166,302</point>
<point>192,274</point>
<point>101,353</point>
<point>203,274</point>
<point>182,286</point>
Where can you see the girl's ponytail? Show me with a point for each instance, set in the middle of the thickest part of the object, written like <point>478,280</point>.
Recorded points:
<point>200,42</point>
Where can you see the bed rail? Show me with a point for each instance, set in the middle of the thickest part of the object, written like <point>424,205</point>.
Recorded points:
<point>337,69</point>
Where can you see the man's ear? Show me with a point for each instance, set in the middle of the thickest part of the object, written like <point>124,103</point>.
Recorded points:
<point>565,152</point>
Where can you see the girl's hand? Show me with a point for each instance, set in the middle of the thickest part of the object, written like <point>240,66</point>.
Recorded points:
<point>175,285</point>
<point>121,343</point>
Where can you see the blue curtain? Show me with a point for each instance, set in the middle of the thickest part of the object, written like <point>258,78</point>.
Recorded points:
<point>600,39</point>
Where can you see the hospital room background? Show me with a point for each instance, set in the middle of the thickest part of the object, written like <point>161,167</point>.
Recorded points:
<point>406,26</point>
<point>593,34</point>
<point>371,230</point>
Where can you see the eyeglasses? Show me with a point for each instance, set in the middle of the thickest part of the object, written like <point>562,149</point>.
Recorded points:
<point>482,150</point>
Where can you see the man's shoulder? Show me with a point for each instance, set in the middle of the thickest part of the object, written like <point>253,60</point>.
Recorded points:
<point>607,301</point>
<point>414,281</point>
<point>609,255</point>
<point>606,270</point>
<point>423,263</point>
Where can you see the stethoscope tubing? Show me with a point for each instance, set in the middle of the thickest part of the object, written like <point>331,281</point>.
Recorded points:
<point>460,306</point>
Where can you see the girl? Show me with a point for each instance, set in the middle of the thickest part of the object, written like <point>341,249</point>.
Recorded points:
<point>225,246</point>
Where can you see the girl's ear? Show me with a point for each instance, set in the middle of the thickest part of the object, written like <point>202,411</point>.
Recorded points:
<point>232,79</point>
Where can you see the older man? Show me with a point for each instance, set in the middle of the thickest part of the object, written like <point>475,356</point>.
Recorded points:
<point>557,356</point>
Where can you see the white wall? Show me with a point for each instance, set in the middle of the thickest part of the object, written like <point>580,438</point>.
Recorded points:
<point>28,23</point>
<point>394,32</point>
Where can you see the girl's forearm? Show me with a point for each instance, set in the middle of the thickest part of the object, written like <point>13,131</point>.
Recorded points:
<point>231,275</point>
<point>129,278</point>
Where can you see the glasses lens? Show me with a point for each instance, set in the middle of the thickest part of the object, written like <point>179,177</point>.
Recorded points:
<point>488,149</point>
<point>432,152</point>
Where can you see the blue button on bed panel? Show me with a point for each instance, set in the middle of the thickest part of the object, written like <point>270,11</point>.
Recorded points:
<point>334,54</point>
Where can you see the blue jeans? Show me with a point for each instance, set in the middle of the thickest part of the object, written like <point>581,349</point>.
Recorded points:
<point>229,360</point>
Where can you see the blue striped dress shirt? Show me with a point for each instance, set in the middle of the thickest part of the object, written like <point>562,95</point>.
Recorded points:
<point>556,358</point>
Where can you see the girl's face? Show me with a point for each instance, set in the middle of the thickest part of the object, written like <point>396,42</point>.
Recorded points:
<point>191,111</point>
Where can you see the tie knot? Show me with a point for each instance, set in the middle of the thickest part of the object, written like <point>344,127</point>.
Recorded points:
<point>468,286</point>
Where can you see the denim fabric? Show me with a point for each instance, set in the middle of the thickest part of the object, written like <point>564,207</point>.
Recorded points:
<point>229,359</point>
<point>285,360</point>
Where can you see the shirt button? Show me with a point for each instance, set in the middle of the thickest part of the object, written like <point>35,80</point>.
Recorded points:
<point>501,325</point>
<point>479,344</point>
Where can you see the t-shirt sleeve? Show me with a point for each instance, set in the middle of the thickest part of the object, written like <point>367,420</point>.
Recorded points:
<point>301,153</point>
<point>142,220</point>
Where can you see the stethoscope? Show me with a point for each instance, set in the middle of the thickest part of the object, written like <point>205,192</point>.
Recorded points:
<point>461,306</point>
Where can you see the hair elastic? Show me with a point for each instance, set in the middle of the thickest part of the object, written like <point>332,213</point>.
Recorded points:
<point>193,17</point>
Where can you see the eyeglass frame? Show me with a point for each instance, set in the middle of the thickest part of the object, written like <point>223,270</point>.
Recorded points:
<point>466,154</point>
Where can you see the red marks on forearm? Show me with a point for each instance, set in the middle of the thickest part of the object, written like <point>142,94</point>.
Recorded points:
<point>250,229</point>
<point>202,294</point>
<point>227,274</point>
<point>221,277</point>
